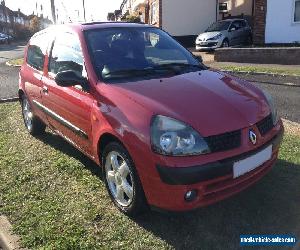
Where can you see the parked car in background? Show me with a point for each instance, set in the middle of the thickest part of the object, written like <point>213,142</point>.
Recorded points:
<point>167,131</point>
<point>4,38</point>
<point>225,33</point>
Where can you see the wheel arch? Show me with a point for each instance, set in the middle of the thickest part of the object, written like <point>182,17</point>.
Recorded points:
<point>21,93</point>
<point>104,140</point>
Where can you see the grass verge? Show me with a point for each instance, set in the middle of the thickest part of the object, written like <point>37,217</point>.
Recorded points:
<point>16,62</point>
<point>55,199</point>
<point>261,69</point>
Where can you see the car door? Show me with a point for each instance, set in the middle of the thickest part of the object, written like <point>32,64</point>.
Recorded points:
<point>240,32</point>
<point>235,33</point>
<point>247,36</point>
<point>68,108</point>
<point>32,71</point>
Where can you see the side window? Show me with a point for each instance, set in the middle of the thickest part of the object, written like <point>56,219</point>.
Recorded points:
<point>297,11</point>
<point>37,50</point>
<point>66,55</point>
<point>161,50</point>
<point>35,57</point>
<point>239,24</point>
<point>236,25</point>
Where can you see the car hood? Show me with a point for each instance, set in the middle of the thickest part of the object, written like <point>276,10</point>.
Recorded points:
<point>210,102</point>
<point>208,35</point>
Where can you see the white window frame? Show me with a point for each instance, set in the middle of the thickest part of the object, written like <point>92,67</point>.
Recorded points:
<point>154,12</point>
<point>294,12</point>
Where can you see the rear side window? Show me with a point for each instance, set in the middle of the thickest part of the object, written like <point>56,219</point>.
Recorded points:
<point>67,55</point>
<point>238,24</point>
<point>37,51</point>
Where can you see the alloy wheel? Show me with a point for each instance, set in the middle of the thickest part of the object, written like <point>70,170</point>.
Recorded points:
<point>27,114</point>
<point>119,179</point>
<point>225,44</point>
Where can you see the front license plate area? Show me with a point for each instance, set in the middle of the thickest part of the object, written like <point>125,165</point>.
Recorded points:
<point>246,165</point>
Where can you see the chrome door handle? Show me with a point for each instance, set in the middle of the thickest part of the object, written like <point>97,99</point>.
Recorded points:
<point>45,90</point>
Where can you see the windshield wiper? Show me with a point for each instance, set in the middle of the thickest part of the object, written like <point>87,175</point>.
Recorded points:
<point>150,71</point>
<point>128,73</point>
<point>175,66</point>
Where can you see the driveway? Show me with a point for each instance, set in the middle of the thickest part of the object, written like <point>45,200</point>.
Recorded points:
<point>207,56</point>
<point>285,91</point>
<point>9,75</point>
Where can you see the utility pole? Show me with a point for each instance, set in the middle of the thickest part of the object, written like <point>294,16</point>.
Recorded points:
<point>53,11</point>
<point>83,3</point>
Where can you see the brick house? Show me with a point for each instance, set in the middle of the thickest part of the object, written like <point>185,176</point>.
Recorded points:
<point>182,19</point>
<point>229,8</point>
<point>6,19</point>
<point>16,23</point>
<point>277,21</point>
<point>11,22</point>
<point>186,19</point>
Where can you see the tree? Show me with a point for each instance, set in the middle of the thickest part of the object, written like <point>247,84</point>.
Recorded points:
<point>53,11</point>
<point>132,18</point>
<point>35,24</point>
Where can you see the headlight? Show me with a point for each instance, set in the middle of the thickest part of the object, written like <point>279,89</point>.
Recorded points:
<point>272,106</point>
<point>172,137</point>
<point>216,37</point>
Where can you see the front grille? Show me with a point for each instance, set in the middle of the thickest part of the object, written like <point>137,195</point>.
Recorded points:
<point>207,45</point>
<point>223,142</point>
<point>265,125</point>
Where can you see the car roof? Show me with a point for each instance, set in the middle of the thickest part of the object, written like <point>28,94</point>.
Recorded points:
<point>97,25</point>
<point>77,27</point>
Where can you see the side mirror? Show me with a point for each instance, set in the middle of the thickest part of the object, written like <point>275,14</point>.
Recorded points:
<point>232,29</point>
<point>70,78</point>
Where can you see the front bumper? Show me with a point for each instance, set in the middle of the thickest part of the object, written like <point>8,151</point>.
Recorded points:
<point>195,174</point>
<point>213,181</point>
<point>208,45</point>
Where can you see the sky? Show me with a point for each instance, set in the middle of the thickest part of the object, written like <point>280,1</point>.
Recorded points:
<point>95,9</point>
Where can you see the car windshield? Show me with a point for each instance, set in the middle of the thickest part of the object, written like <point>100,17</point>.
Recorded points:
<point>218,26</point>
<point>126,54</point>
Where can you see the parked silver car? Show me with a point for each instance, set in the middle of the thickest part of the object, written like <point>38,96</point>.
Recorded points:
<point>4,38</point>
<point>225,33</point>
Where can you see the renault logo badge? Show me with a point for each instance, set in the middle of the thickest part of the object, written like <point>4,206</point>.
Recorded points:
<point>252,137</point>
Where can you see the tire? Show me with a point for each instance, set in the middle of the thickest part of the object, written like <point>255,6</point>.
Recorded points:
<point>33,124</point>
<point>122,181</point>
<point>225,43</point>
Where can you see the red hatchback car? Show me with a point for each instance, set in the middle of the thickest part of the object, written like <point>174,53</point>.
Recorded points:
<point>167,131</point>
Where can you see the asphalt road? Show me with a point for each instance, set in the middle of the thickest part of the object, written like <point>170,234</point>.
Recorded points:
<point>8,81</point>
<point>13,51</point>
<point>285,91</point>
<point>9,75</point>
